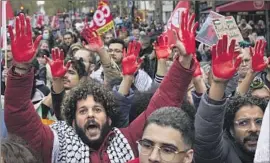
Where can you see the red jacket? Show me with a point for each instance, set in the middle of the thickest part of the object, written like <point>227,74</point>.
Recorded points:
<point>22,120</point>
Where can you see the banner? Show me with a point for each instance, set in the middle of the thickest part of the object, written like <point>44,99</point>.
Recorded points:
<point>102,19</point>
<point>9,11</point>
<point>175,20</point>
<point>207,34</point>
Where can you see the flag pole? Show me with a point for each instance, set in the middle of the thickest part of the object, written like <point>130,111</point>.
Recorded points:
<point>6,59</point>
<point>4,26</point>
<point>114,31</point>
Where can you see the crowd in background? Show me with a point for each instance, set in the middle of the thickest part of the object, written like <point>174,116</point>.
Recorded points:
<point>212,102</point>
<point>252,31</point>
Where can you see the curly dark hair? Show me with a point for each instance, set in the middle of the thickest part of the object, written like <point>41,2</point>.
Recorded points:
<point>236,103</point>
<point>89,87</point>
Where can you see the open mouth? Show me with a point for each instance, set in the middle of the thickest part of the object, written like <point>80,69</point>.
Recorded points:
<point>92,128</point>
<point>65,81</point>
<point>114,58</point>
<point>252,142</point>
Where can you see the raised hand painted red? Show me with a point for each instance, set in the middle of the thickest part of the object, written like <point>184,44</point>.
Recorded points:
<point>57,63</point>
<point>224,61</point>
<point>22,47</point>
<point>197,71</point>
<point>131,62</point>
<point>162,47</point>
<point>91,36</point>
<point>187,32</point>
<point>258,63</point>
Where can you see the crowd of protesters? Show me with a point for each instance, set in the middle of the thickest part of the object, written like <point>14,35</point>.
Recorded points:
<point>79,97</point>
<point>251,31</point>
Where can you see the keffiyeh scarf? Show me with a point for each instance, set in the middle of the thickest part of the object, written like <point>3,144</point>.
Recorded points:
<point>69,148</point>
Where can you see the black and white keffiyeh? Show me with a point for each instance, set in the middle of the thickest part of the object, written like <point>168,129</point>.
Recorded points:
<point>69,148</point>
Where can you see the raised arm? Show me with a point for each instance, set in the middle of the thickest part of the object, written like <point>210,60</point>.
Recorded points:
<point>174,86</point>
<point>58,70</point>
<point>20,116</point>
<point>258,65</point>
<point>95,44</point>
<point>123,93</point>
<point>209,145</point>
<point>198,82</point>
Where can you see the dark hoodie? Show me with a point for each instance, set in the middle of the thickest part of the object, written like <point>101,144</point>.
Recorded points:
<point>212,143</point>
<point>148,65</point>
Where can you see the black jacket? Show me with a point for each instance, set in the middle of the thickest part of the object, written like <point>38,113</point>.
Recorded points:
<point>148,65</point>
<point>42,75</point>
<point>212,144</point>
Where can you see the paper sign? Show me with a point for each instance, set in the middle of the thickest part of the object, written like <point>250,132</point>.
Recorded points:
<point>207,34</point>
<point>227,26</point>
<point>233,30</point>
<point>216,26</point>
<point>220,27</point>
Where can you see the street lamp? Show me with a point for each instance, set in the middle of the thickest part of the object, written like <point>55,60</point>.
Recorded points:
<point>71,13</point>
<point>41,5</point>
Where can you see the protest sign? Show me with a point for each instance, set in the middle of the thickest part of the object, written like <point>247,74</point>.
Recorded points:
<point>216,26</point>
<point>207,34</point>
<point>233,30</point>
<point>220,27</point>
